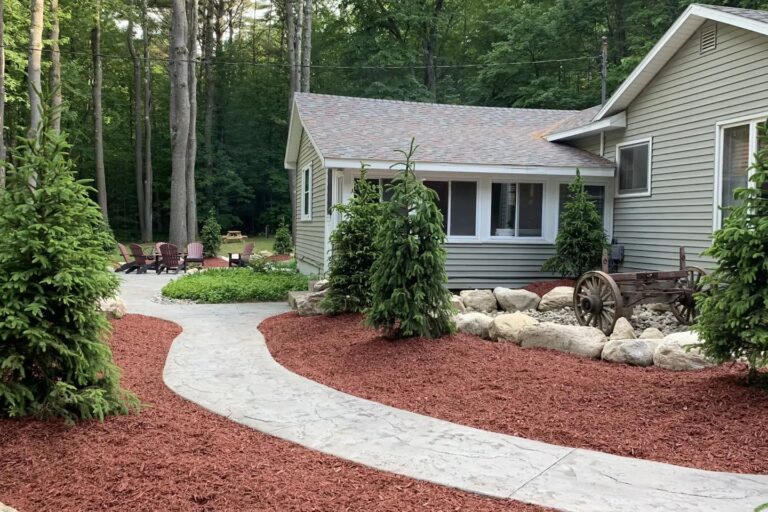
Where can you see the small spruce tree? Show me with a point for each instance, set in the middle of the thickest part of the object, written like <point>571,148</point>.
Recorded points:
<point>283,241</point>
<point>409,296</point>
<point>54,359</point>
<point>353,252</point>
<point>210,235</point>
<point>733,310</point>
<point>581,238</point>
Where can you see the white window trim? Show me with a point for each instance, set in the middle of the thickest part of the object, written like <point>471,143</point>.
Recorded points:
<point>544,193</point>
<point>306,194</point>
<point>630,143</point>
<point>460,238</point>
<point>608,205</point>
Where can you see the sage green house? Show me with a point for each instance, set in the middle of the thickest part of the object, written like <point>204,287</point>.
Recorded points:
<point>660,157</point>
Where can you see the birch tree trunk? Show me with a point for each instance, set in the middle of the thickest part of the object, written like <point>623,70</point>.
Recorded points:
<point>306,46</point>
<point>2,94</point>
<point>179,123</point>
<point>98,116</point>
<point>33,67</point>
<point>210,85</point>
<point>138,123</point>
<point>55,69</point>
<point>192,137</point>
<point>148,178</point>
<point>290,40</point>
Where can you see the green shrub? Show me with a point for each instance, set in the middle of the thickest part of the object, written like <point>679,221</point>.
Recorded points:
<point>283,242</point>
<point>353,253</point>
<point>54,359</point>
<point>409,294</point>
<point>733,311</point>
<point>236,285</point>
<point>210,235</point>
<point>581,238</point>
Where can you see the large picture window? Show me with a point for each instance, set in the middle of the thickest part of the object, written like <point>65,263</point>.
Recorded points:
<point>634,168</point>
<point>738,143</point>
<point>457,201</point>
<point>517,209</point>
<point>306,193</point>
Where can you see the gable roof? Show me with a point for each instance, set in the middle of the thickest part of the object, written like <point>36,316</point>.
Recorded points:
<point>677,35</point>
<point>346,131</point>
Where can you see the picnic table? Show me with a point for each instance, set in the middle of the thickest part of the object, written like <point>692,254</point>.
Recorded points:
<point>233,236</point>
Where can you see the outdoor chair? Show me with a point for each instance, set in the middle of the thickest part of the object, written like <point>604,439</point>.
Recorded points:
<point>170,259</point>
<point>140,260</point>
<point>242,259</point>
<point>195,254</point>
<point>130,263</point>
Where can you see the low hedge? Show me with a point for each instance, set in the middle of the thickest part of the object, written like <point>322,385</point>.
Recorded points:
<point>224,285</point>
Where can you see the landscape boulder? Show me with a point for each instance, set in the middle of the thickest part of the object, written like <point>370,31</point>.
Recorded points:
<point>482,301</point>
<point>674,352</point>
<point>458,304</point>
<point>474,323</point>
<point>574,339</point>
<point>507,327</point>
<point>113,307</point>
<point>321,285</point>
<point>623,330</point>
<point>309,304</point>
<point>294,296</point>
<point>558,298</point>
<point>266,254</point>
<point>516,300</point>
<point>630,351</point>
<point>651,333</point>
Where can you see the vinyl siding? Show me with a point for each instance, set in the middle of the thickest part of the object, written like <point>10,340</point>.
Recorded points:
<point>310,235</point>
<point>680,109</point>
<point>478,265</point>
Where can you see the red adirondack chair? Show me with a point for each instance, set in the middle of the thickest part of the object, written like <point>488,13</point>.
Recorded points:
<point>170,259</point>
<point>141,260</point>
<point>130,263</point>
<point>242,259</point>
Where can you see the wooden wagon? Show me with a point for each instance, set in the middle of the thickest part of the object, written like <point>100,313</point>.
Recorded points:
<point>600,298</point>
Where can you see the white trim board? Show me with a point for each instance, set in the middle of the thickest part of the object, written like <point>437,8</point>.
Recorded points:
<point>615,122</point>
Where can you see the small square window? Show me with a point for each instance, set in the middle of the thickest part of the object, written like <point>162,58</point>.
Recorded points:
<point>306,194</point>
<point>634,168</point>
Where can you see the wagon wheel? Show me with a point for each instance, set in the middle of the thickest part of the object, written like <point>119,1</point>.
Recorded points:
<point>684,307</point>
<point>597,301</point>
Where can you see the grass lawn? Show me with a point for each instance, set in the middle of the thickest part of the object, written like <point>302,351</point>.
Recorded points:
<point>261,243</point>
<point>236,285</point>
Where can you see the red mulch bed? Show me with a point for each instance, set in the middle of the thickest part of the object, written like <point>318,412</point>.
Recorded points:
<point>706,419</point>
<point>177,456</point>
<point>216,262</point>
<point>280,257</point>
<point>541,288</point>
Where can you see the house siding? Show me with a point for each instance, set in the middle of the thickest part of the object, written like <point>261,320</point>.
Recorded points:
<point>487,265</point>
<point>310,234</point>
<point>679,109</point>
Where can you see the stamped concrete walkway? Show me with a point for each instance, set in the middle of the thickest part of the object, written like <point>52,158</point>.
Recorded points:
<point>221,362</point>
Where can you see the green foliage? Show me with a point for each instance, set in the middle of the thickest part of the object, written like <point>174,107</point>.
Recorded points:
<point>283,240</point>
<point>581,238</point>
<point>353,253</point>
<point>54,359</point>
<point>210,235</point>
<point>409,297</point>
<point>733,311</point>
<point>224,285</point>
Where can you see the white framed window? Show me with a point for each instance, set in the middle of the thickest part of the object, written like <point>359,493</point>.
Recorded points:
<point>457,200</point>
<point>596,193</point>
<point>306,193</point>
<point>517,210</point>
<point>633,168</point>
<point>736,142</point>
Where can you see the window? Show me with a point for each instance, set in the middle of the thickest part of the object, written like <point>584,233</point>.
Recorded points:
<point>517,209</point>
<point>306,194</point>
<point>457,201</point>
<point>329,192</point>
<point>383,185</point>
<point>634,168</point>
<point>595,192</point>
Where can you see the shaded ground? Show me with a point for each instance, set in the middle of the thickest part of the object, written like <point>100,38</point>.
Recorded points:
<point>705,419</point>
<point>177,456</point>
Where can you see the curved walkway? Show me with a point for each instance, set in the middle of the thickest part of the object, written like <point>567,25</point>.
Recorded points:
<point>221,362</point>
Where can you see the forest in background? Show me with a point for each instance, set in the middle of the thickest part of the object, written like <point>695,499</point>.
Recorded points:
<point>248,58</point>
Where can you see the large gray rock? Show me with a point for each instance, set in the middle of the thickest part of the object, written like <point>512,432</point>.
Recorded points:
<point>293,298</point>
<point>630,351</point>
<point>676,352</point>
<point>574,339</point>
<point>458,304</point>
<point>6,508</point>
<point>507,327</point>
<point>309,304</point>
<point>623,330</point>
<point>474,323</point>
<point>559,297</point>
<point>321,285</point>
<point>482,301</point>
<point>516,300</point>
<point>114,307</point>
<point>651,333</point>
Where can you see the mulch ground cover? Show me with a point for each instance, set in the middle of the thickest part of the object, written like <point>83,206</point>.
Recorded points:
<point>541,288</point>
<point>706,419</point>
<point>175,456</point>
<point>216,262</point>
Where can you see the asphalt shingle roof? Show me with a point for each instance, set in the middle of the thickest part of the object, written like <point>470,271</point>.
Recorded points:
<point>371,129</point>
<point>752,14</point>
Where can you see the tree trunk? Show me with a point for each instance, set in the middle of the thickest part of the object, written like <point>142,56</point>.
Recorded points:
<point>179,123</point>
<point>33,68</point>
<point>98,116</point>
<point>306,46</point>
<point>148,220</point>
<point>55,69</point>
<point>192,137</point>
<point>210,87</point>
<point>138,136</point>
<point>430,47</point>
<point>290,41</point>
<point>2,95</point>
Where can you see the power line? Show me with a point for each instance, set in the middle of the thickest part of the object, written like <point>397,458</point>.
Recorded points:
<point>312,66</point>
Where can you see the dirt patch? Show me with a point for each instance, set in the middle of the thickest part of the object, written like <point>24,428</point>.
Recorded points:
<point>177,456</point>
<point>541,288</point>
<point>705,419</point>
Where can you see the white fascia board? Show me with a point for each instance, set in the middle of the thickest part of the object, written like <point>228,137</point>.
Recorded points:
<point>614,122</point>
<point>290,161</point>
<point>386,165</point>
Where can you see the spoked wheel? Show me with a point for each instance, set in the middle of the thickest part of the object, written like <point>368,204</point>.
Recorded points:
<point>684,307</point>
<point>597,301</point>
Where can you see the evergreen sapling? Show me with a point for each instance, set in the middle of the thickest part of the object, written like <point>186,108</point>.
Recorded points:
<point>210,235</point>
<point>283,242</point>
